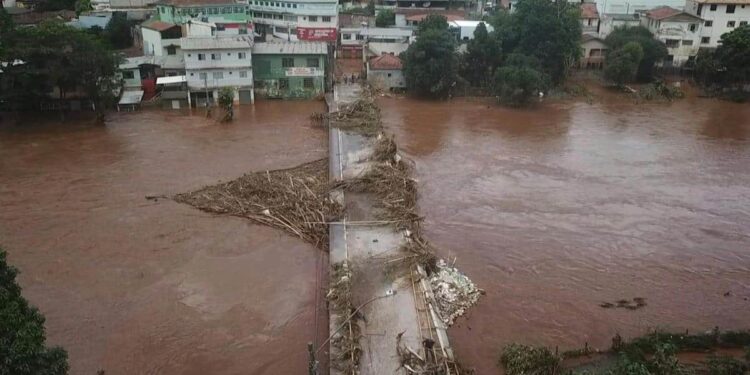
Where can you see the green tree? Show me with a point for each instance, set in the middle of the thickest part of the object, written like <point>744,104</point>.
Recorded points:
<point>622,64</point>
<point>430,63</point>
<point>52,5</point>
<point>22,334</point>
<point>82,6</point>
<point>653,49</point>
<point>520,80</point>
<point>734,54</point>
<point>385,18</point>
<point>549,31</point>
<point>226,102</point>
<point>118,31</point>
<point>481,57</point>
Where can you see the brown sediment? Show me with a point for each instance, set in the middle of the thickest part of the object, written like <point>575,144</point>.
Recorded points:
<point>295,200</point>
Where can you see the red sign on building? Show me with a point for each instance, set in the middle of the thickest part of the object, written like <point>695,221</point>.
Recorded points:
<point>319,34</point>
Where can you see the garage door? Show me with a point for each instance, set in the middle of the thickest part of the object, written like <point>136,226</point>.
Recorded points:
<point>246,96</point>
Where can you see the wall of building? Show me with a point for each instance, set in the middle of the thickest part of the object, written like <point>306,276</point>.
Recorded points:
<point>716,21</point>
<point>386,79</point>
<point>274,80</point>
<point>131,78</point>
<point>180,15</point>
<point>593,54</point>
<point>681,37</point>
<point>608,24</point>
<point>296,20</point>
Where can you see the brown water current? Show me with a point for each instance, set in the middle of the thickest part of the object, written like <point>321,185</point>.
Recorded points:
<point>558,209</point>
<point>133,286</point>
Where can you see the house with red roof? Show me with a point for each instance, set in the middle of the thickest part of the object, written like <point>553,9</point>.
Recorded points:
<point>589,18</point>
<point>386,72</point>
<point>679,30</point>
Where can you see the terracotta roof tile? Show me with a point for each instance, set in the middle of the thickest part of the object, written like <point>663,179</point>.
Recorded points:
<point>385,62</point>
<point>588,10</point>
<point>662,12</point>
<point>158,25</point>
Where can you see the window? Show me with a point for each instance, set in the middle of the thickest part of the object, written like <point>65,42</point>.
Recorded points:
<point>220,27</point>
<point>313,18</point>
<point>283,83</point>
<point>326,18</point>
<point>215,56</point>
<point>708,23</point>
<point>294,6</point>
<point>713,7</point>
<point>308,83</point>
<point>202,76</point>
<point>192,74</point>
<point>237,10</point>
<point>243,74</point>
<point>282,30</point>
<point>700,8</point>
<point>360,37</point>
<point>313,63</point>
<point>672,43</point>
<point>730,24</point>
<point>201,56</point>
<point>128,74</point>
<point>590,21</point>
<point>171,50</point>
<point>213,10</point>
<point>226,10</point>
<point>241,55</point>
<point>669,58</point>
<point>743,23</point>
<point>692,27</point>
<point>687,42</point>
<point>705,40</point>
<point>287,62</point>
<point>346,36</point>
<point>730,8</point>
<point>218,75</point>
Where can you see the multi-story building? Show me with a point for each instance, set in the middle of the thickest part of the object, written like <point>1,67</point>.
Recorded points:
<point>289,69</point>
<point>214,62</point>
<point>225,14</point>
<point>589,19</point>
<point>295,20</point>
<point>612,20</point>
<point>679,30</point>
<point>719,17</point>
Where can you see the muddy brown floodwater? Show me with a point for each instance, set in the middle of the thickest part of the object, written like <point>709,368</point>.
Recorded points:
<point>132,286</point>
<point>555,210</point>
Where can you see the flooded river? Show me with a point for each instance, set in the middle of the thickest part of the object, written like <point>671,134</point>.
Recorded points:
<point>556,210</point>
<point>132,286</point>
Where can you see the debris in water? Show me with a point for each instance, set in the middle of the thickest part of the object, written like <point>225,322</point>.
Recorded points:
<point>454,292</point>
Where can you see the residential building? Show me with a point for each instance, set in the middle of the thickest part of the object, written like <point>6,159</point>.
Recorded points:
<point>289,70</point>
<point>412,17</point>
<point>589,18</point>
<point>87,21</point>
<point>224,13</point>
<point>160,38</point>
<point>594,49</point>
<point>214,62</point>
<point>679,30</point>
<point>719,17</point>
<point>610,21</point>
<point>437,4</point>
<point>464,30</point>
<point>296,20</point>
<point>375,41</point>
<point>386,72</point>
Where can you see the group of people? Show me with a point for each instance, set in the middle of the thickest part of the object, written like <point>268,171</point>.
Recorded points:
<point>353,78</point>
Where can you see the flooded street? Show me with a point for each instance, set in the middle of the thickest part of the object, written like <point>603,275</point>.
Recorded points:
<point>132,286</point>
<point>556,210</point>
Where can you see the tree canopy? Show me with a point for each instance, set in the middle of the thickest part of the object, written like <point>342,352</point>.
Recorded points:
<point>481,57</point>
<point>622,63</point>
<point>22,335</point>
<point>520,80</point>
<point>385,18</point>
<point>430,63</point>
<point>653,49</point>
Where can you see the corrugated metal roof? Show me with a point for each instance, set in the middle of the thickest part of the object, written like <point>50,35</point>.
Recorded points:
<point>290,48</point>
<point>216,42</point>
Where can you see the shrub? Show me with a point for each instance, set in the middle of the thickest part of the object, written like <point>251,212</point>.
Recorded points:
<point>527,360</point>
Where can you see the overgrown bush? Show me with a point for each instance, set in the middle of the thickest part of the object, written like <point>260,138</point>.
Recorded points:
<point>725,365</point>
<point>660,91</point>
<point>520,359</point>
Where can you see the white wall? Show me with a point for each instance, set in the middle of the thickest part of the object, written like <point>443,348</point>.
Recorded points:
<point>229,65</point>
<point>718,19</point>
<point>688,42</point>
<point>386,79</point>
<point>151,42</point>
<point>608,24</point>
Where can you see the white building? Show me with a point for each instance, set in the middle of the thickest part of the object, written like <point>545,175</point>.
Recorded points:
<point>680,31</point>
<point>160,38</point>
<point>612,20</point>
<point>464,30</point>
<point>293,20</point>
<point>719,17</point>
<point>214,62</point>
<point>376,40</point>
<point>589,19</point>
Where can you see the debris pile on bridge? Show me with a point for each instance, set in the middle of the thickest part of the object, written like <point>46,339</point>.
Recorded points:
<point>345,348</point>
<point>361,117</point>
<point>454,292</point>
<point>296,200</point>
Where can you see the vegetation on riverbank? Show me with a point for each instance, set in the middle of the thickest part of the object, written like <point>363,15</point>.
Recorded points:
<point>656,353</point>
<point>22,335</point>
<point>725,71</point>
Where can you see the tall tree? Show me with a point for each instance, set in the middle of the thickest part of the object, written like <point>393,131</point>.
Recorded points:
<point>622,64</point>
<point>82,6</point>
<point>430,63</point>
<point>734,54</point>
<point>520,80</point>
<point>22,335</point>
<point>549,31</point>
<point>118,31</point>
<point>481,57</point>
<point>653,49</point>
